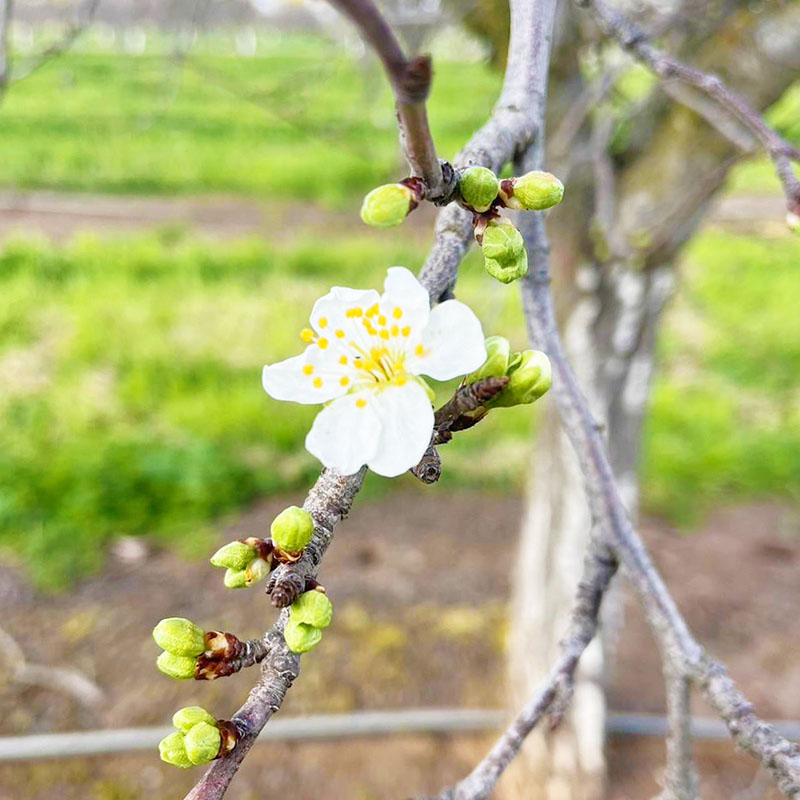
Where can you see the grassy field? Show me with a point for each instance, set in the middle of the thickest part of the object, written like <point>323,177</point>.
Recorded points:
<point>134,402</point>
<point>130,367</point>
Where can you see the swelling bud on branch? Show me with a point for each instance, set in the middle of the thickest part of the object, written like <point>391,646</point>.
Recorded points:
<point>498,352</point>
<point>246,562</point>
<point>534,191</point>
<point>199,739</point>
<point>529,377</point>
<point>308,615</point>
<point>389,205</point>
<point>478,187</point>
<point>504,254</point>
<point>292,530</point>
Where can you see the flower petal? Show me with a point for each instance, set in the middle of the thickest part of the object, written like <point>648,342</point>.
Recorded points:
<point>345,434</point>
<point>330,311</point>
<point>452,343</point>
<point>298,380</point>
<point>405,301</point>
<point>406,419</point>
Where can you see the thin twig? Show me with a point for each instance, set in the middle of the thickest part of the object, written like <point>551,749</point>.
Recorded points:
<point>633,39</point>
<point>680,777</point>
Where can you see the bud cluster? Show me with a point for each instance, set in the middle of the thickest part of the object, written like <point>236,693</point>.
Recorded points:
<point>247,561</point>
<point>529,373</point>
<point>198,739</point>
<point>308,615</point>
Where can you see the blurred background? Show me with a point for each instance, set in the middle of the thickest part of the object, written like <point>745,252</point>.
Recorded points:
<point>179,181</point>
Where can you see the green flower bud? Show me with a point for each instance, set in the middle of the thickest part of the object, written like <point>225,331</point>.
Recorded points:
<point>235,579</point>
<point>234,555</point>
<point>172,750</point>
<point>498,350</point>
<point>258,570</point>
<point>533,191</point>
<point>179,636</point>
<point>301,637</point>
<point>530,376</point>
<point>202,743</point>
<point>313,608</point>
<point>186,718</point>
<point>504,254</point>
<point>388,205</point>
<point>478,187</point>
<point>292,529</point>
<point>179,667</point>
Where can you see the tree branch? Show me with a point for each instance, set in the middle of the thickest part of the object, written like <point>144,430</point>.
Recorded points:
<point>635,40</point>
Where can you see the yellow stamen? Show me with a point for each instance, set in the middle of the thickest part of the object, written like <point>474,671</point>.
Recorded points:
<point>322,343</point>
<point>343,359</point>
<point>383,333</point>
<point>308,369</point>
<point>372,310</point>
<point>397,313</point>
<point>318,382</point>
<point>353,312</point>
<point>406,331</point>
<point>307,335</point>
<point>361,402</point>
<point>419,350</point>
<point>344,380</point>
<point>381,320</point>
<point>323,322</point>
<point>340,334</point>
<point>395,330</point>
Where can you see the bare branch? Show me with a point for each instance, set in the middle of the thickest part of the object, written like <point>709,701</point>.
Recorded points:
<point>411,81</point>
<point>6,17</point>
<point>635,40</point>
<point>680,778</point>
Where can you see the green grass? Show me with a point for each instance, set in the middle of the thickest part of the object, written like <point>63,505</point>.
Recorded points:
<point>303,121</point>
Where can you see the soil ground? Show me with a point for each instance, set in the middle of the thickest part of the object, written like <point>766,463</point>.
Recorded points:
<point>407,633</point>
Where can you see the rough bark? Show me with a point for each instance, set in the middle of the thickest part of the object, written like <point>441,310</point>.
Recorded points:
<point>612,280</point>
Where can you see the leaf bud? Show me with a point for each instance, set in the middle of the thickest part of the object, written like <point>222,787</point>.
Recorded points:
<point>388,205</point>
<point>504,254</point>
<point>533,191</point>
<point>182,668</point>
<point>179,636</point>
<point>186,718</point>
<point>292,529</point>
<point>313,608</point>
<point>498,350</point>
<point>301,637</point>
<point>202,742</point>
<point>478,187</point>
<point>173,751</point>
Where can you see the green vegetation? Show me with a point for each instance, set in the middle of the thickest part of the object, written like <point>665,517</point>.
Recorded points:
<point>305,121</point>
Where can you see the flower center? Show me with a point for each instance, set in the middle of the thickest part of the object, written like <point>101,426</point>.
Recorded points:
<point>380,365</point>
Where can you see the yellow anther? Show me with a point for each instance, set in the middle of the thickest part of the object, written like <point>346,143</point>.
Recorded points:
<point>353,312</point>
<point>401,380</point>
<point>370,328</point>
<point>406,331</point>
<point>318,383</point>
<point>372,310</point>
<point>397,313</point>
<point>323,322</point>
<point>340,334</point>
<point>307,335</point>
<point>322,343</point>
<point>383,333</point>
<point>381,320</point>
<point>361,402</point>
<point>359,364</point>
<point>343,359</point>
<point>308,369</point>
<point>344,380</point>
<point>419,350</point>
<point>395,330</point>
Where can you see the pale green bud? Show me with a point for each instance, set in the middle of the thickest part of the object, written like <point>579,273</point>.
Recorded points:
<point>202,743</point>
<point>313,608</point>
<point>258,570</point>
<point>498,350</point>
<point>478,187</point>
<point>301,637</point>
<point>173,751</point>
<point>181,668</point>
<point>533,191</point>
<point>504,254</point>
<point>292,529</point>
<point>179,636</point>
<point>186,718</point>
<point>234,555</point>
<point>388,205</point>
<point>235,579</point>
<point>529,377</point>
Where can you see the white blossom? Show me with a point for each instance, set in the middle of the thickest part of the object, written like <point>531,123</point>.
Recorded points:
<point>364,354</point>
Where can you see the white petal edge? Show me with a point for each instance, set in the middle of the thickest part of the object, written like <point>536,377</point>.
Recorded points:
<point>285,380</point>
<point>345,435</point>
<point>402,290</point>
<point>453,343</point>
<point>334,306</point>
<point>406,419</point>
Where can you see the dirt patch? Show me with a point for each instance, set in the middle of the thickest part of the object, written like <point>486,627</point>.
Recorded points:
<point>420,622</point>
